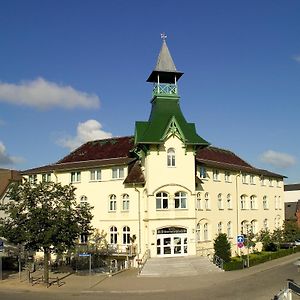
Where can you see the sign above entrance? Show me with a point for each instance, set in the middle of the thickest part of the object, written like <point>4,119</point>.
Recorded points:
<point>171,230</point>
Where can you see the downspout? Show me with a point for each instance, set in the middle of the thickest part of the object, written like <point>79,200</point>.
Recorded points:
<point>139,218</point>
<point>237,204</point>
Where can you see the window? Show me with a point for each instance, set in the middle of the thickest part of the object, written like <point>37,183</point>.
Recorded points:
<point>205,232</point>
<point>95,175</point>
<point>244,178</point>
<point>207,202</point>
<point>229,229</point>
<point>265,202</point>
<point>75,177</point>
<point>270,181</point>
<point>46,177</point>
<point>244,227</point>
<point>220,227</point>
<point>266,225</point>
<point>253,226</point>
<point>243,202</point>
<point>203,172</point>
<point>126,235</point>
<point>278,183</point>
<point>229,201</point>
<point>252,179</point>
<point>279,202</point>
<point>277,222</point>
<point>276,202</point>
<point>125,202</point>
<point>227,176</point>
<point>32,179</point>
<point>171,157</point>
<point>180,200</point>
<point>112,203</point>
<point>83,200</point>
<point>162,200</point>
<point>118,173</point>
<point>220,201</point>
<point>198,232</point>
<point>199,202</point>
<point>113,235</point>
<point>216,175</point>
<point>262,181</point>
<point>253,202</point>
<point>83,238</point>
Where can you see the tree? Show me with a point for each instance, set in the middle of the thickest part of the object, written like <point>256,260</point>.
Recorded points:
<point>291,231</point>
<point>222,247</point>
<point>44,217</point>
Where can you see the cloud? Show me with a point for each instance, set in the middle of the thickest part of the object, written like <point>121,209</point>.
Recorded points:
<point>278,159</point>
<point>296,58</point>
<point>43,94</point>
<point>5,159</point>
<point>86,131</point>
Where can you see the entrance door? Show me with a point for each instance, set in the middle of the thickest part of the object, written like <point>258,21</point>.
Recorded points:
<point>171,244</point>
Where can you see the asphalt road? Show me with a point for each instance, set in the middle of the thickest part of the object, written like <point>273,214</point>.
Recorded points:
<point>233,285</point>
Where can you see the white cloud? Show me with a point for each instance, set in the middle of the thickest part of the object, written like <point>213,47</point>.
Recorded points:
<point>86,131</point>
<point>6,159</point>
<point>43,94</point>
<point>278,159</point>
<point>296,58</point>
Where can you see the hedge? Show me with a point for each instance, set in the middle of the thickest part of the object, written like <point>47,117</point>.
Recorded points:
<point>236,263</point>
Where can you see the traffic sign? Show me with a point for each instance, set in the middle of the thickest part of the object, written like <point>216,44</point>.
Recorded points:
<point>84,254</point>
<point>1,245</point>
<point>240,245</point>
<point>240,239</point>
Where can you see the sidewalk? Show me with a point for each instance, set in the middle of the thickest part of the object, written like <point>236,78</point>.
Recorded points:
<point>129,282</point>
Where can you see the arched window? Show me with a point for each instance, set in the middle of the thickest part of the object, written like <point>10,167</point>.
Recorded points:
<point>279,202</point>
<point>277,222</point>
<point>229,229</point>
<point>113,235</point>
<point>205,232</point>
<point>162,200</point>
<point>125,202</point>
<point>229,201</point>
<point>180,200</point>
<point>244,227</point>
<point>253,202</point>
<point>199,202</point>
<point>198,232</point>
<point>266,224</point>
<point>220,227</point>
<point>265,202</point>
<point>243,202</point>
<point>112,203</point>
<point>83,199</point>
<point>220,201</point>
<point>171,157</point>
<point>275,201</point>
<point>253,226</point>
<point>126,235</point>
<point>207,202</point>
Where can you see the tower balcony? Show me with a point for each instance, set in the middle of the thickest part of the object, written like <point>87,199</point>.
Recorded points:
<point>164,89</point>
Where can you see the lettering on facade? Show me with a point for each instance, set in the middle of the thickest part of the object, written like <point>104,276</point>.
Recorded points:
<point>171,230</point>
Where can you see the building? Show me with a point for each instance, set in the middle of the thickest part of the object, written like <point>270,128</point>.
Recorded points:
<point>165,188</point>
<point>292,202</point>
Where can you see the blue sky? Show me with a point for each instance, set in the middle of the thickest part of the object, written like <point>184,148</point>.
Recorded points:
<point>72,71</point>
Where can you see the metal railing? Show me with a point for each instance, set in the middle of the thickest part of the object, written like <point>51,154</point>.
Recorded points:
<point>143,260</point>
<point>218,261</point>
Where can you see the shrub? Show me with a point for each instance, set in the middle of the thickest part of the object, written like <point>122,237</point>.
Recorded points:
<point>222,247</point>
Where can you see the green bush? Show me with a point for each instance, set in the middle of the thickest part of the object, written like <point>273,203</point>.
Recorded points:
<point>222,247</point>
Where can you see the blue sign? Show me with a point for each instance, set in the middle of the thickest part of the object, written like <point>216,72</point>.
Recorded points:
<point>84,254</point>
<point>1,245</point>
<point>240,239</point>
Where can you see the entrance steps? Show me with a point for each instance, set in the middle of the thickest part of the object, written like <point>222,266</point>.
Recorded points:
<point>178,266</point>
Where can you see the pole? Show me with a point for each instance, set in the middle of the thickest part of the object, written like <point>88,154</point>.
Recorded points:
<point>0,266</point>
<point>90,269</point>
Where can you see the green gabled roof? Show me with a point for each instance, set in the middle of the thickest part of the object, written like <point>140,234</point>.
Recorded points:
<point>164,110</point>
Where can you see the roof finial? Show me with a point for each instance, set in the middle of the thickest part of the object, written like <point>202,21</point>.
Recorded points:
<point>163,36</point>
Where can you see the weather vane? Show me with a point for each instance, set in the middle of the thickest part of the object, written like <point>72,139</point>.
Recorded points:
<point>163,36</point>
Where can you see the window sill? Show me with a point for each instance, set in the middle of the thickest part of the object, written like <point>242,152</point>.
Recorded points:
<point>230,208</point>
<point>216,180</point>
<point>112,211</point>
<point>179,208</point>
<point>208,209</point>
<point>162,209</point>
<point>125,211</point>
<point>95,180</point>
<point>228,181</point>
<point>199,209</point>
<point>75,182</point>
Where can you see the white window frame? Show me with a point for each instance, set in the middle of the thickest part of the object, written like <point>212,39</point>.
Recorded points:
<point>205,232</point>
<point>75,177</point>
<point>171,157</point>
<point>220,227</point>
<point>198,232</point>
<point>199,204</point>
<point>202,172</point>
<point>243,202</point>
<point>227,176</point>
<point>162,200</point>
<point>252,179</point>
<point>220,202</point>
<point>253,202</point>
<point>216,174</point>
<point>126,235</point>
<point>207,201</point>
<point>118,173</point>
<point>229,229</point>
<point>265,203</point>
<point>180,199</point>
<point>95,175</point>
<point>229,201</point>
<point>244,178</point>
<point>125,202</point>
<point>112,203</point>
<point>113,235</point>
<point>46,177</point>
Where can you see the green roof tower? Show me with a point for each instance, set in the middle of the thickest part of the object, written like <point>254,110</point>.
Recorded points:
<point>166,116</point>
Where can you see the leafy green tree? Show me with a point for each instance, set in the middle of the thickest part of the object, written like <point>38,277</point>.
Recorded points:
<point>222,247</point>
<point>265,237</point>
<point>45,217</point>
<point>291,231</point>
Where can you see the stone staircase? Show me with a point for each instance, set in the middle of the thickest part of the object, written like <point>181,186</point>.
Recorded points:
<point>178,266</point>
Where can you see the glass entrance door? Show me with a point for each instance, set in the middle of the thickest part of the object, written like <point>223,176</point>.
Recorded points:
<point>171,245</point>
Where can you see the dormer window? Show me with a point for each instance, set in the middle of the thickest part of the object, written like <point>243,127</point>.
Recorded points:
<point>171,157</point>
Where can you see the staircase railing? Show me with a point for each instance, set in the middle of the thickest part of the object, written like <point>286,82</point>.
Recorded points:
<point>143,260</point>
<point>218,261</point>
